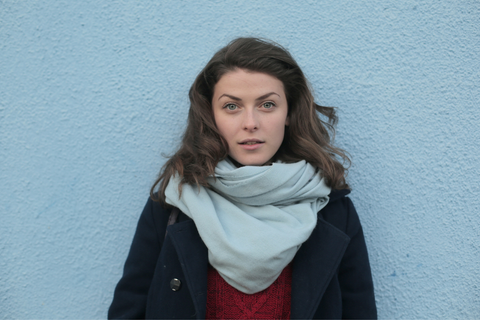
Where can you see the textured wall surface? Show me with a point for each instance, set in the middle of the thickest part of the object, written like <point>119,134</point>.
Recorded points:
<point>92,93</point>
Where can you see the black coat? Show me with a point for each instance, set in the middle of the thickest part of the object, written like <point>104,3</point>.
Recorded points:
<point>331,273</point>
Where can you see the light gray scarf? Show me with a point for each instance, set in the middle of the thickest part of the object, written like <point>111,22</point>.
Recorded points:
<point>254,218</point>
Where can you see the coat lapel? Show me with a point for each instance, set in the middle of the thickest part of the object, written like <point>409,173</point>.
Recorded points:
<point>193,256</point>
<point>314,266</point>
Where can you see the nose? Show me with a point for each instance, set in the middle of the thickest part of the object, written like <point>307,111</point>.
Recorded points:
<point>250,120</point>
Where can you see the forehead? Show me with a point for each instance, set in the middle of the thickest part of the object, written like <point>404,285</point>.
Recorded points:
<point>247,82</point>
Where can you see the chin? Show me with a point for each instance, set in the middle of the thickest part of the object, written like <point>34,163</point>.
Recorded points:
<point>249,161</point>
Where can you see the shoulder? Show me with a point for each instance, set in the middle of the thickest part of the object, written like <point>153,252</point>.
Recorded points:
<point>340,212</point>
<point>154,217</point>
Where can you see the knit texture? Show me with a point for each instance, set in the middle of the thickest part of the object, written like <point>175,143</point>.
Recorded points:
<point>226,302</point>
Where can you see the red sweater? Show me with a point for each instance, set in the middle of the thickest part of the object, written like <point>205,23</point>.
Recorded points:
<point>226,302</point>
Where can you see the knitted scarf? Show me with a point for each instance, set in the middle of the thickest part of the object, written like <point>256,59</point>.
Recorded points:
<point>254,218</point>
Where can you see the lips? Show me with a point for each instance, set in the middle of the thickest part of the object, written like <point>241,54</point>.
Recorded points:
<point>250,142</point>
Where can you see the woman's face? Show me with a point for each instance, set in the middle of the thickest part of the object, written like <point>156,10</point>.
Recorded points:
<point>250,110</point>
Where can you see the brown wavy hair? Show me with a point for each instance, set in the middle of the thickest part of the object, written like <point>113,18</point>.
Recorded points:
<point>307,137</point>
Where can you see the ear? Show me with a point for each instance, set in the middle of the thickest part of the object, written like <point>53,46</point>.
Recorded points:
<point>287,121</point>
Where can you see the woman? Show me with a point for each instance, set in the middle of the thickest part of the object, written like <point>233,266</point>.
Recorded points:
<point>264,230</point>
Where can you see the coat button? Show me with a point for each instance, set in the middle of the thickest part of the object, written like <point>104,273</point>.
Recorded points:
<point>175,284</point>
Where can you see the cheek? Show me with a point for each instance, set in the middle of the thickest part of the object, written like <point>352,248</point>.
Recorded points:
<point>281,135</point>
<point>224,127</point>
<point>280,124</point>
<point>280,131</point>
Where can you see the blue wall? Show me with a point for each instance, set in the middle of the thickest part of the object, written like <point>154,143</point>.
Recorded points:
<point>93,92</point>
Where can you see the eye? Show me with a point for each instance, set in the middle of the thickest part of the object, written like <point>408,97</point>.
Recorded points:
<point>268,105</point>
<point>230,107</point>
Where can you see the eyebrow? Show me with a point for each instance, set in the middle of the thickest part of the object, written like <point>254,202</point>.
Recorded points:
<point>258,99</point>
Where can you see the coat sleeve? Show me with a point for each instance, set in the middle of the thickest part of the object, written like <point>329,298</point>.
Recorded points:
<point>130,296</point>
<point>355,277</point>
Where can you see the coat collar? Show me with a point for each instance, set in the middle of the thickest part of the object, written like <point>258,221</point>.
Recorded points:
<point>314,265</point>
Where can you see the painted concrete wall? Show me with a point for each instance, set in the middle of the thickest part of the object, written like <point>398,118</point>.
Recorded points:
<point>93,92</point>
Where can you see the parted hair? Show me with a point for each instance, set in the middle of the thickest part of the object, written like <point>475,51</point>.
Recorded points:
<point>307,137</point>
